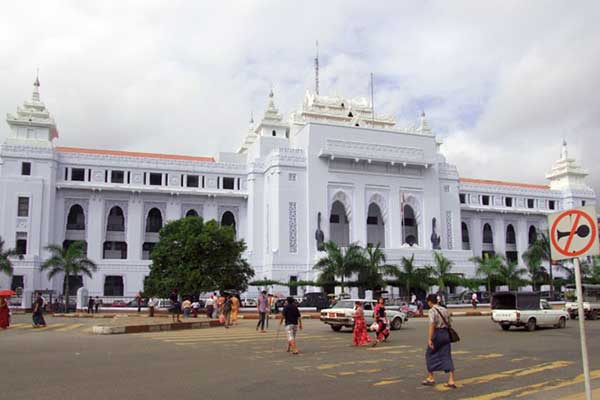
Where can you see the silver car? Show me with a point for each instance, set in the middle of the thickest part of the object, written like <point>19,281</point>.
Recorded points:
<point>342,315</point>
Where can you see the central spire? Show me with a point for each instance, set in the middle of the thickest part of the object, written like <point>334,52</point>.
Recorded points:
<point>36,87</point>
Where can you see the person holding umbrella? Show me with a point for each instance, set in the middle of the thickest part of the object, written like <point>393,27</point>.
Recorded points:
<point>4,309</point>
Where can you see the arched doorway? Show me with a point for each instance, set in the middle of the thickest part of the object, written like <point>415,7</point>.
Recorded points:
<point>532,235</point>
<point>511,244</point>
<point>410,227</point>
<point>375,227</point>
<point>228,219</point>
<point>116,220</point>
<point>154,220</point>
<point>191,213</point>
<point>466,242</point>
<point>76,218</point>
<point>488,240</point>
<point>339,227</point>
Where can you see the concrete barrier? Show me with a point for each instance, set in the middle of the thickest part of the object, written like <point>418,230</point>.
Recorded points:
<point>119,330</point>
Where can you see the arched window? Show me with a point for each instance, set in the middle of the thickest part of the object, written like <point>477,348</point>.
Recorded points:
<point>154,220</point>
<point>274,133</point>
<point>488,236</point>
<point>511,237</point>
<point>116,220</point>
<point>339,228</point>
<point>466,243</point>
<point>532,234</point>
<point>191,213</point>
<point>410,226</point>
<point>228,219</point>
<point>375,228</point>
<point>76,218</point>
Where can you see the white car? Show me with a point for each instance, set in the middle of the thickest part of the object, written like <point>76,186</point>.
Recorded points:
<point>249,302</point>
<point>342,315</point>
<point>525,310</point>
<point>591,301</point>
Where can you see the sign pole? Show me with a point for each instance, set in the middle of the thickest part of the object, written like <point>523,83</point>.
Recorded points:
<point>581,317</point>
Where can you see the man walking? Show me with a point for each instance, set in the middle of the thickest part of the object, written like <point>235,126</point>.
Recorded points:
<point>90,309</point>
<point>97,304</point>
<point>152,303</point>
<point>38,311</point>
<point>474,300</point>
<point>210,306</point>
<point>227,311</point>
<point>262,307</point>
<point>293,321</point>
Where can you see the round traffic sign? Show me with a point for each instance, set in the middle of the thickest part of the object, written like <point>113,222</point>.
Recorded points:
<point>583,225</point>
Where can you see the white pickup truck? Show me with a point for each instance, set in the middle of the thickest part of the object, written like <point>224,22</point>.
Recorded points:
<point>525,309</point>
<point>591,301</point>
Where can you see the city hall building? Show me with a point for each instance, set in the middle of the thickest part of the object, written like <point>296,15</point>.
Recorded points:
<point>331,171</point>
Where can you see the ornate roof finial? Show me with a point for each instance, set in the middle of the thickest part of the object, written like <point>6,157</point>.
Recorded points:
<point>317,69</point>
<point>564,153</point>
<point>36,85</point>
<point>271,92</point>
<point>251,117</point>
<point>423,126</point>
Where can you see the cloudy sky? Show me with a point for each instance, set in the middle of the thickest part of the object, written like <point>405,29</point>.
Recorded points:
<point>502,82</point>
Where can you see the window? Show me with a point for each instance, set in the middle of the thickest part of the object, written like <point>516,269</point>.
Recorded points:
<point>202,181</point>
<point>485,200</point>
<point>582,203</point>
<point>372,220</point>
<point>21,247</point>
<point>462,198</point>
<point>115,251</point>
<point>23,208</point>
<point>89,175</point>
<point>154,221</point>
<point>66,174</point>
<point>293,287</point>
<point>117,176</point>
<point>147,248</point>
<point>155,179</point>
<point>78,174</point>
<point>447,188</point>
<point>218,182</point>
<point>17,282</point>
<point>26,168</point>
<point>274,133</point>
<point>552,204</point>
<point>192,181</point>
<point>508,201</point>
<point>166,179</point>
<point>530,203</point>
<point>128,177</point>
<point>113,286</point>
<point>228,183</point>
<point>106,176</point>
<point>334,219</point>
<point>291,177</point>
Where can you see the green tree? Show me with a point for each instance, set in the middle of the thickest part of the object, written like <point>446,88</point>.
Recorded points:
<point>373,269</point>
<point>196,256</point>
<point>540,249</point>
<point>440,271</point>
<point>487,267</point>
<point>71,261</point>
<point>510,273</point>
<point>537,273</point>
<point>5,263</point>
<point>410,276</point>
<point>340,262</point>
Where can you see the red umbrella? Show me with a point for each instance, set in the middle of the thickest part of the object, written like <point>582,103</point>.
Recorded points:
<point>6,293</point>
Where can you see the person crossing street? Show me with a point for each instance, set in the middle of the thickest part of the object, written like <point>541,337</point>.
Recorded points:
<point>293,321</point>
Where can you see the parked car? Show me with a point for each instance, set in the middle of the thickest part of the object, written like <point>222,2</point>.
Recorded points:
<point>525,309</point>
<point>247,302</point>
<point>118,303</point>
<point>342,315</point>
<point>315,299</point>
<point>591,301</point>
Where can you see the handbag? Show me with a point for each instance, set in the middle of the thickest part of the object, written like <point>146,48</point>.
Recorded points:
<point>453,334</point>
<point>374,326</point>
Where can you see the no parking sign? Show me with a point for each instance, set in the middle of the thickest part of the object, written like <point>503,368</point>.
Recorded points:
<point>574,233</point>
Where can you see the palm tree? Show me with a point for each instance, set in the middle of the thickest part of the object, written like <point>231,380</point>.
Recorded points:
<point>5,264</point>
<point>340,262</point>
<point>371,273</point>
<point>537,272</point>
<point>408,272</point>
<point>440,271</point>
<point>487,266</point>
<point>540,249</point>
<point>71,261</point>
<point>511,274</point>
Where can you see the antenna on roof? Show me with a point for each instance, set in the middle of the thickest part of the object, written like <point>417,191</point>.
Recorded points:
<point>372,103</point>
<point>317,68</point>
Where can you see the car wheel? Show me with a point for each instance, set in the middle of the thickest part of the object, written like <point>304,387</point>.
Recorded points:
<point>396,324</point>
<point>505,327</point>
<point>593,315</point>
<point>562,323</point>
<point>336,328</point>
<point>530,325</point>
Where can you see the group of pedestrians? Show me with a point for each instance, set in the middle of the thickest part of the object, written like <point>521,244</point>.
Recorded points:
<point>93,305</point>
<point>360,336</point>
<point>224,307</point>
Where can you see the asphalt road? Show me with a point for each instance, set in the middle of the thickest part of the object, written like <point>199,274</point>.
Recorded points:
<point>64,361</point>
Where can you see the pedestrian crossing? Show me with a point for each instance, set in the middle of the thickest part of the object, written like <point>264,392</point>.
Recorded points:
<point>55,327</point>
<point>481,375</point>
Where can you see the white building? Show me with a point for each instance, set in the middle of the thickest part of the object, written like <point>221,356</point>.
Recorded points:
<point>369,180</point>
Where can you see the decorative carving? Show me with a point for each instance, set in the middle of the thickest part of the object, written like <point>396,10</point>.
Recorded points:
<point>373,151</point>
<point>343,198</point>
<point>319,236</point>
<point>293,228</point>
<point>199,208</point>
<point>435,238</point>
<point>449,236</point>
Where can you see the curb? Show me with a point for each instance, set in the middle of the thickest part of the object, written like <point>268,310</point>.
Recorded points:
<point>119,330</point>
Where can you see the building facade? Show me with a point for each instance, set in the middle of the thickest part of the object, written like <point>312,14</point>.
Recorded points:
<point>332,171</point>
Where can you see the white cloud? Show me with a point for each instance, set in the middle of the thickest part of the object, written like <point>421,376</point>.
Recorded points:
<point>503,81</point>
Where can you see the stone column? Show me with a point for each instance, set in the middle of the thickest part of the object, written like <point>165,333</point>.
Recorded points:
<point>394,221</point>
<point>522,238</point>
<point>135,228</point>
<point>499,231</point>
<point>96,227</point>
<point>359,217</point>
<point>476,236</point>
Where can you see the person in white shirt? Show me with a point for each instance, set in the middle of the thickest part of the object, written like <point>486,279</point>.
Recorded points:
<point>152,304</point>
<point>210,306</point>
<point>474,300</point>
